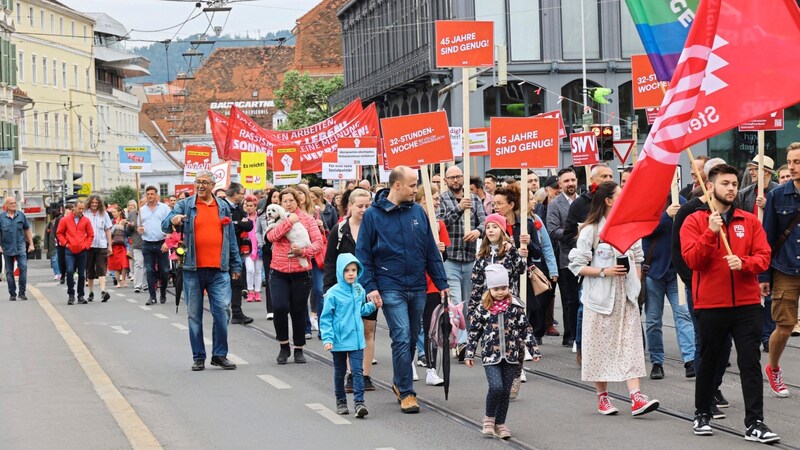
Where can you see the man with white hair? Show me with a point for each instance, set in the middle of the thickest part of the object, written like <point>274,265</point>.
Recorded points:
<point>16,231</point>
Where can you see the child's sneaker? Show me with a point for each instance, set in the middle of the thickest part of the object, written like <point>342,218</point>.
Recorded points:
<point>249,296</point>
<point>776,381</point>
<point>640,404</point>
<point>361,410</point>
<point>256,296</point>
<point>341,408</point>
<point>488,426</point>
<point>414,371</point>
<point>605,407</point>
<point>502,431</point>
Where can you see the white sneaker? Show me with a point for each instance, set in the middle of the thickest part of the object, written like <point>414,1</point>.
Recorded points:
<point>414,371</point>
<point>374,361</point>
<point>574,348</point>
<point>522,377</point>
<point>270,316</point>
<point>528,356</point>
<point>433,378</point>
<point>314,323</point>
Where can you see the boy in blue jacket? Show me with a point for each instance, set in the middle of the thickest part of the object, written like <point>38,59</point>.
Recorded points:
<point>343,330</point>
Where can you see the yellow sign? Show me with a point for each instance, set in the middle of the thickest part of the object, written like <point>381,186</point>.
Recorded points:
<point>254,170</point>
<point>86,190</point>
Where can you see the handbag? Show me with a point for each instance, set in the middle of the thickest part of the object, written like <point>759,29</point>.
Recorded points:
<point>118,237</point>
<point>539,281</point>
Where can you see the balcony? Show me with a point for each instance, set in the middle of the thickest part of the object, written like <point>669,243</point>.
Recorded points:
<point>104,87</point>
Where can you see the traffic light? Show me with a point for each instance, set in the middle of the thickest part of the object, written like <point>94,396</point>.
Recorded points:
<point>605,141</point>
<point>73,188</point>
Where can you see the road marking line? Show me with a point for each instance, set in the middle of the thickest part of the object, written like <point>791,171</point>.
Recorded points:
<point>119,295</point>
<point>328,414</point>
<point>130,300</point>
<point>236,360</point>
<point>161,316</point>
<point>180,326</point>
<point>48,284</point>
<point>146,308</point>
<point>137,432</point>
<point>276,383</point>
<point>384,448</point>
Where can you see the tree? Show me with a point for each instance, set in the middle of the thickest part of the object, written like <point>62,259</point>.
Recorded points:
<point>304,98</point>
<point>121,195</point>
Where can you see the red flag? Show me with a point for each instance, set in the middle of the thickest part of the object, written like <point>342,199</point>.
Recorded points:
<point>219,131</point>
<point>722,79</point>
<point>244,135</point>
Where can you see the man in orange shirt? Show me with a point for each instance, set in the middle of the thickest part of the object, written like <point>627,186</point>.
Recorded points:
<point>212,261</point>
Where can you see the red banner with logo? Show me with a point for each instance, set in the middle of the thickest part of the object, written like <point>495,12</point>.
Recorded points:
<point>181,188</point>
<point>321,129</point>
<point>195,159</point>
<point>219,131</point>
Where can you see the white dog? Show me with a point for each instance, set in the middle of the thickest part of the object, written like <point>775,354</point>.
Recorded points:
<point>297,235</point>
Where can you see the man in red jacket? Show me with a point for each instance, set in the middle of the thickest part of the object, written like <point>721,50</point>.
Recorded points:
<point>727,297</point>
<point>75,233</point>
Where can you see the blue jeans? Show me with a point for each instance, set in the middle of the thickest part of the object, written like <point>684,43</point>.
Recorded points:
<point>75,261</point>
<point>403,312</point>
<point>22,263</point>
<point>500,376</point>
<point>421,341</point>
<point>156,262</point>
<point>218,286</point>
<point>654,313</point>
<point>54,264</point>
<point>459,279</point>
<point>340,369</point>
<point>769,324</point>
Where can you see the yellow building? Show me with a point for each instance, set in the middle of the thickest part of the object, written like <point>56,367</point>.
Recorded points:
<point>55,67</point>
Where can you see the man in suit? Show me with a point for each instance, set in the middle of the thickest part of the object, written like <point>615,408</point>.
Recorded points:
<point>556,220</point>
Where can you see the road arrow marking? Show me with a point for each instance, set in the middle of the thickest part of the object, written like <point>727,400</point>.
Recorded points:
<point>328,414</point>
<point>276,383</point>
<point>120,330</point>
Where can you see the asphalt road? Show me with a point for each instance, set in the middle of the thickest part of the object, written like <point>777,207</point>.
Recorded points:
<point>116,375</point>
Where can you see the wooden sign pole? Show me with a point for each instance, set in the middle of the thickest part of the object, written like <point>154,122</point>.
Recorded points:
<point>699,176</point>
<point>426,185</point>
<point>635,133</point>
<point>465,137</point>
<point>523,229</point>
<point>676,201</point>
<point>138,211</point>
<point>760,178</point>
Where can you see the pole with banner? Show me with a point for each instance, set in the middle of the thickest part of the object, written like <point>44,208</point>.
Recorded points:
<point>770,122</point>
<point>135,160</point>
<point>523,143</point>
<point>464,45</point>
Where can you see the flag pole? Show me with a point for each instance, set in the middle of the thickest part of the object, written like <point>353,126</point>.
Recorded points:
<point>699,176</point>
<point>676,201</point>
<point>760,186</point>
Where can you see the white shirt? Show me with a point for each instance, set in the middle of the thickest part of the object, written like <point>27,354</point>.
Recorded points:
<point>100,223</point>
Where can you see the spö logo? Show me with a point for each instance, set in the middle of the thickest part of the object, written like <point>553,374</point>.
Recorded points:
<point>739,230</point>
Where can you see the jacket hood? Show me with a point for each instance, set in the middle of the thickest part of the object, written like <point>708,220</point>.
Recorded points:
<point>381,201</point>
<point>341,262</point>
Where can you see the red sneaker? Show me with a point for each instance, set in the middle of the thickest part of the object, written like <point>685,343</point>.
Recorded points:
<point>552,331</point>
<point>776,381</point>
<point>640,404</point>
<point>605,407</point>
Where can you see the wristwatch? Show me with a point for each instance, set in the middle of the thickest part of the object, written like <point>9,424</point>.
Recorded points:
<point>603,272</point>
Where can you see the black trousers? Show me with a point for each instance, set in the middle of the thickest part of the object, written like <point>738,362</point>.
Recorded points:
<point>290,296</point>
<point>62,262</point>
<point>744,325</point>
<point>432,300</point>
<point>237,286</point>
<point>266,256</point>
<point>568,286</point>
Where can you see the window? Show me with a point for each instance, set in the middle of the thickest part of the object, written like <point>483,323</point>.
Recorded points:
<point>44,70</point>
<point>494,11</point>
<point>88,81</point>
<point>91,132</point>
<point>512,100</point>
<point>572,112</point>
<point>41,19</point>
<point>64,75</point>
<point>30,15</point>
<point>163,190</point>
<point>84,33</point>
<point>56,141</point>
<point>47,129</point>
<point>24,133</point>
<point>75,76</point>
<point>47,171</point>
<point>72,29</point>
<point>94,177</point>
<point>33,69</point>
<point>80,133</point>
<point>55,73</point>
<point>60,26</point>
<point>525,30</point>
<point>52,23</point>
<point>36,129</point>
<point>631,43</point>
<point>19,14</point>
<point>66,131</point>
<point>21,66</point>
<point>38,175</point>
<point>571,30</point>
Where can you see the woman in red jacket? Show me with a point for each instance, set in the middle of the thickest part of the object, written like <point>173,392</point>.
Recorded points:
<point>290,283</point>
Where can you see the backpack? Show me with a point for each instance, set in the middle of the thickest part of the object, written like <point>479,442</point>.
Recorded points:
<point>456,323</point>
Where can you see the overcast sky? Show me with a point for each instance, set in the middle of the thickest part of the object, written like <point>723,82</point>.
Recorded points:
<point>146,15</point>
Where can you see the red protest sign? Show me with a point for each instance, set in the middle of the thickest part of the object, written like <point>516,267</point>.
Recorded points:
<point>770,122</point>
<point>584,148</point>
<point>556,114</point>
<point>523,142</point>
<point>181,188</point>
<point>466,43</point>
<point>622,149</point>
<point>647,92</point>
<point>417,139</point>
<point>652,113</point>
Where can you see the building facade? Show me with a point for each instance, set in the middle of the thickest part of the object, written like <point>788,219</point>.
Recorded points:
<point>389,59</point>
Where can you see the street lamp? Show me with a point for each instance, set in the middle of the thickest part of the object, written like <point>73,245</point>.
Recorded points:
<point>64,163</point>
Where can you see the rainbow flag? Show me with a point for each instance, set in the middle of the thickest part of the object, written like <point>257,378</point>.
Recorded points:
<point>663,29</point>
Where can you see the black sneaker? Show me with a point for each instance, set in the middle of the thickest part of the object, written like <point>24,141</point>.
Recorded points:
<point>12,298</point>
<point>702,425</point>
<point>283,355</point>
<point>341,408</point>
<point>760,432</point>
<point>298,356</point>
<point>71,301</point>
<point>348,383</point>
<point>716,413</point>
<point>91,297</point>
<point>105,296</point>
<point>720,400</point>
<point>135,290</point>
<point>82,301</point>
<point>151,301</point>
<point>422,361</point>
<point>765,344</point>
<point>361,410</point>
<point>163,299</point>
<point>242,320</point>
<point>22,297</point>
<point>368,386</point>
<point>657,373</point>
<point>689,366</point>
<point>462,352</point>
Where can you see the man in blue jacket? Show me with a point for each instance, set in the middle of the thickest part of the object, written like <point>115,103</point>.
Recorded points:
<point>396,247</point>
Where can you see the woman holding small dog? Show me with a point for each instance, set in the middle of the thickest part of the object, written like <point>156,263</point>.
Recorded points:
<point>290,283</point>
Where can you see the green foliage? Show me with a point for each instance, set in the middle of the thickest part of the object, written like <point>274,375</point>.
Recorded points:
<point>305,98</point>
<point>121,195</point>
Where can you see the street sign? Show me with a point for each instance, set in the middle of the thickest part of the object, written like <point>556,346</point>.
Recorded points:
<point>584,148</point>
<point>623,149</point>
<point>86,190</point>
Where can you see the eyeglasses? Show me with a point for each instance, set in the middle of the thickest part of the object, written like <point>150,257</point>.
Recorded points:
<point>202,182</point>
<point>455,177</point>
